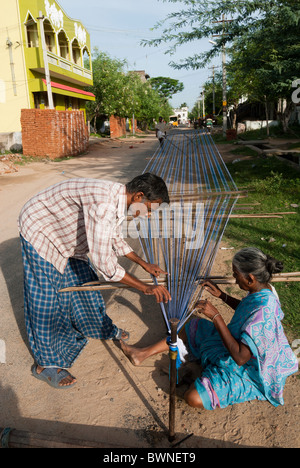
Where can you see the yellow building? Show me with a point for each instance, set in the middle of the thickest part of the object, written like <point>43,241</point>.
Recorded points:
<point>24,57</point>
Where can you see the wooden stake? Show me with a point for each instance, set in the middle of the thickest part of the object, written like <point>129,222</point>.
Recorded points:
<point>173,378</point>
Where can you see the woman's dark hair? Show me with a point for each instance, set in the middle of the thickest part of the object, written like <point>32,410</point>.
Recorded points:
<point>152,186</point>
<point>254,261</point>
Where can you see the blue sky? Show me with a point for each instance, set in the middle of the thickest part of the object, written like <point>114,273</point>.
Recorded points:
<point>117,28</point>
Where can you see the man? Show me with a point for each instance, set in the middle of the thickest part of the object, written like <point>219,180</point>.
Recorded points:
<point>58,228</point>
<point>161,131</point>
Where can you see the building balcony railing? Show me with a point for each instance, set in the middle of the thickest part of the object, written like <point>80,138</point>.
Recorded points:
<point>69,66</point>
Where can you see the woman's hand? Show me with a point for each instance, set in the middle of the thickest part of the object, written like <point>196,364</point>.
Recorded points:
<point>212,288</point>
<point>238,350</point>
<point>206,308</point>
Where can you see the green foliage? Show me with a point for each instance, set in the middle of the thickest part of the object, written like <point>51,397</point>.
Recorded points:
<point>261,37</point>
<point>198,20</point>
<point>123,94</point>
<point>166,87</point>
<point>273,187</point>
<point>270,185</point>
<point>111,87</point>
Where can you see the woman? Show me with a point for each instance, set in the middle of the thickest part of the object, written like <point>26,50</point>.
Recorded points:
<point>250,358</point>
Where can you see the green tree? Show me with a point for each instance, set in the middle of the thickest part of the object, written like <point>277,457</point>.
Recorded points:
<point>111,87</point>
<point>263,36</point>
<point>166,87</point>
<point>123,94</point>
<point>151,106</point>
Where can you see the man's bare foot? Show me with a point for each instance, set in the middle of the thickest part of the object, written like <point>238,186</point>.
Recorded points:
<point>69,380</point>
<point>135,355</point>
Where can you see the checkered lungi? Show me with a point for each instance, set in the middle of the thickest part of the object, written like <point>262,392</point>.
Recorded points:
<point>58,324</point>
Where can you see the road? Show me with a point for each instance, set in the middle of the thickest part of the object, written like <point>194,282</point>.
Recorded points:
<point>113,403</point>
<point>119,160</point>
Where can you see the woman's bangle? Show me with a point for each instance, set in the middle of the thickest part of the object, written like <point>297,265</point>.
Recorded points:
<point>215,316</point>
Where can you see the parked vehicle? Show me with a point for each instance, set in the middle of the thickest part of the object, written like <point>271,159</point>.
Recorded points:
<point>174,120</point>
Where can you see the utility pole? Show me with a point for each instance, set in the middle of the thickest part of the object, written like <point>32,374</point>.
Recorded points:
<point>214,90</point>
<point>224,75</point>
<point>12,65</point>
<point>203,101</point>
<point>46,65</point>
<point>224,88</point>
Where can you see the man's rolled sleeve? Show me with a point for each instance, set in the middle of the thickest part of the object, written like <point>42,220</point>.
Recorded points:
<point>120,246</point>
<point>104,245</point>
<point>117,273</point>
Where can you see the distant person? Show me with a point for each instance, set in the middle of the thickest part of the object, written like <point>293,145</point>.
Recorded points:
<point>161,131</point>
<point>209,124</point>
<point>58,228</point>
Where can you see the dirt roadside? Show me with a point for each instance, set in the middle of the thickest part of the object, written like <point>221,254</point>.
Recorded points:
<point>114,403</point>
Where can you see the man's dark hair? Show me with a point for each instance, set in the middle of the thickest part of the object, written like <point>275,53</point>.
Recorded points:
<point>152,186</point>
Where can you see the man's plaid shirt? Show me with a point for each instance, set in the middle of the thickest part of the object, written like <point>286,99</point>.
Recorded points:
<point>77,217</point>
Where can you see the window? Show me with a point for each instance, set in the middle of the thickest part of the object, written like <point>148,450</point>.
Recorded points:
<point>76,52</point>
<point>86,59</point>
<point>63,45</point>
<point>49,36</point>
<point>75,104</point>
<point>41,100</point>
<point>31,33</point>
<point>72,103</point>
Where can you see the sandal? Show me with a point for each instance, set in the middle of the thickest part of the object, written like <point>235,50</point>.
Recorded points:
<point>52,377</point>
<point>119,336</point>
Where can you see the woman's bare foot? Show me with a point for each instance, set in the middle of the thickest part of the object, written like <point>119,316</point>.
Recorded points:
<point>69,380</point>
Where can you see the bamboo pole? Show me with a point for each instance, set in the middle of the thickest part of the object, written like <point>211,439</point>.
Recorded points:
<point>13,438</point>
<point>263,215</point>
<point>173,377</point>
<point>244,215</point>
<point>102,285</point>
<point>192,195</point>
<point>254,216</point>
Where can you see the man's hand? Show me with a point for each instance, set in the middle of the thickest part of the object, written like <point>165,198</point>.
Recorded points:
<point>160,292</point>
<point>154,270</point>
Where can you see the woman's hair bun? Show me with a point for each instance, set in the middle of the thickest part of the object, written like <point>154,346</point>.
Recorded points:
<point>273,265</point>
<point>252,260</point>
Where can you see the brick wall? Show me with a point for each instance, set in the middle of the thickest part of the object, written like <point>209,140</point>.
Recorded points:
<point>53,134</point>
<point>117,126</point>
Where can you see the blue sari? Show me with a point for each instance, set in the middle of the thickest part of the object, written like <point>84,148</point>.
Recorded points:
<point>256,323</point>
